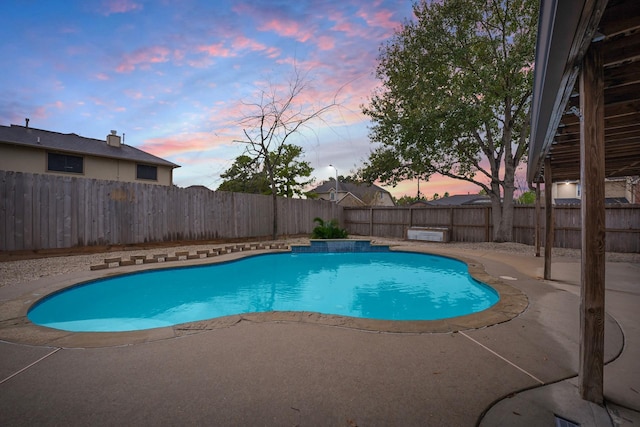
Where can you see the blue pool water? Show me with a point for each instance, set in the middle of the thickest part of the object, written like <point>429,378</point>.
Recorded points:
<point>389,286</point>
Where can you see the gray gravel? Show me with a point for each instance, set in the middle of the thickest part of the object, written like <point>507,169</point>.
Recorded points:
<point>13,273</point>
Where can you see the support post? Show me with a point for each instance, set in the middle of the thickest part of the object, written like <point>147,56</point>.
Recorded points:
<point>537,221</point>
<point>590,373</point>
<point>549,219</point>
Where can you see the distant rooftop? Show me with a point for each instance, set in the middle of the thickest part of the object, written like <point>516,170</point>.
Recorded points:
<point>359,190</point>
<point>72,143</point>
<point>461,199</point>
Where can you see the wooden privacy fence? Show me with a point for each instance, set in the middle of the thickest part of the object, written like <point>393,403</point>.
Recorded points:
<point>48,211</point>
<point>474,224</point>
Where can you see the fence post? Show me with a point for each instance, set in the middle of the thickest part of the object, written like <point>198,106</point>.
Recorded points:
<point>537,222</point>
<point>487,231</point>
<point>549,225</point>
<point>450,223</point>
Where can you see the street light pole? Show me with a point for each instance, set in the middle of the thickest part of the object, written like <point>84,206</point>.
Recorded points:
<point>336,181</point>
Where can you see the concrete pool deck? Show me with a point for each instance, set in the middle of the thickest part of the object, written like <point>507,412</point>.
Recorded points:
<point>286,372</point>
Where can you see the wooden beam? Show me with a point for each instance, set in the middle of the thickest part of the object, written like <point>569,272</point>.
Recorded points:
<point>592,174</point>
<point>620,16</point>
<point>549,218</point>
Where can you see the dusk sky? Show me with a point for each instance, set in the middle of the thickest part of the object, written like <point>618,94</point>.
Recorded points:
<point>172,75</point>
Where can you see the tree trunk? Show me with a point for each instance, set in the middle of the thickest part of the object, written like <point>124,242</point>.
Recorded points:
<point>274,198</point>
<point>502,214</point>
<point>503,229</point>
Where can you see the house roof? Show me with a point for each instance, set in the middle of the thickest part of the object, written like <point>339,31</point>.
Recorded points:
<point>359,190</point>
<point>575,201</point>
<point>461,199</point>
<point>566,30</point>
<point>76,144</point>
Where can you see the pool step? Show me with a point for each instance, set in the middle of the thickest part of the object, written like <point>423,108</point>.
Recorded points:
<point>186,255</point>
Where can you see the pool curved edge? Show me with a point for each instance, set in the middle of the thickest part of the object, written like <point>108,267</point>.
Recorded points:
<point>17,328</point>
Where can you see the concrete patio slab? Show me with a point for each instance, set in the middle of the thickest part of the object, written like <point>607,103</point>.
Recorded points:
<point>283,371</point>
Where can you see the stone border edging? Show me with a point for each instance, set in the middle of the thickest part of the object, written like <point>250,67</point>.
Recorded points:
<point>184,255</point>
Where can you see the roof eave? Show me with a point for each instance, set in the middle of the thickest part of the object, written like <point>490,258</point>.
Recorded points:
<point>158,162</point>
<point>559,50</point>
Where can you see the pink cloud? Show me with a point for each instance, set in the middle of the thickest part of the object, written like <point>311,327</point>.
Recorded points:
<point>40,113</point>
<point>268,20</point>
<point>437,184</point>
<point>287,28</point>
<point>141,58</point>
<point>203,62</point>
<point>242,42</point>
<point>216,49</point>
<point>119,6</point>
<point>347,26</point>
<point>326,42</point>
<point>174,145</point>
<point>134,94</point>
<point>108,104</point>
<point>245,43</point>
<point>178,54</point>
<point>382,19</point>
<point>102,76</point>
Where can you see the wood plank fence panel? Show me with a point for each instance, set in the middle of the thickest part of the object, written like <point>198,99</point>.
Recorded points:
<point>8,212</point>
<point>42,208</point>
<point>27,198</point>
<point>473,224</point>
<point>47,211</point>
<point>35,212</point>
<point>19,214</point>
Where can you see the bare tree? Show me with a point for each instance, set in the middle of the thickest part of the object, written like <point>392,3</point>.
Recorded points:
<point>276,115</point>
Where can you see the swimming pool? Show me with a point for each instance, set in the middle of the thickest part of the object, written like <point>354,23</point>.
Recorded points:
<point>388,286</point>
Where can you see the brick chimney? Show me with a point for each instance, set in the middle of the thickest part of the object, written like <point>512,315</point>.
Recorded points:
<point>113,139</point>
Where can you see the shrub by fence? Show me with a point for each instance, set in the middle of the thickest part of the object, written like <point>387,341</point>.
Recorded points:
<point>49,211</point>
<point>474,224</point>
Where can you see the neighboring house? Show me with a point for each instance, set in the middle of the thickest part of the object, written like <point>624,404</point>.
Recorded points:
<point>456,200</point>
<point>25,149</point>
<point>352,194</point>
<point>616,190</point>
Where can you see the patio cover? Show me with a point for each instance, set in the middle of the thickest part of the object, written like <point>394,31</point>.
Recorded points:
<point>565,31</point>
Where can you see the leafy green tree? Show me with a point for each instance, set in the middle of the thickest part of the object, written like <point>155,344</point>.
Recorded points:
<point>455,98</point>
<point>291,174</point>
<point>244,176</point>
<point>407,200</point>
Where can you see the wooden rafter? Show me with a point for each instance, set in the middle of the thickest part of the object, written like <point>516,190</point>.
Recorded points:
<point>619,34</point>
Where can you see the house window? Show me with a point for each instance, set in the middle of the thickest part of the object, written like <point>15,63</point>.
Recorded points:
<point>332,196</point>
<point>147,172</point>
<point>57,162</point>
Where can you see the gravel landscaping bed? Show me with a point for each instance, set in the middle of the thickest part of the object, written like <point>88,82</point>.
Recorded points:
<point>13,273</point>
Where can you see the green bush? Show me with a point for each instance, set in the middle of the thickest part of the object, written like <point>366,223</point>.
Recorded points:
<point>328,230</point>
